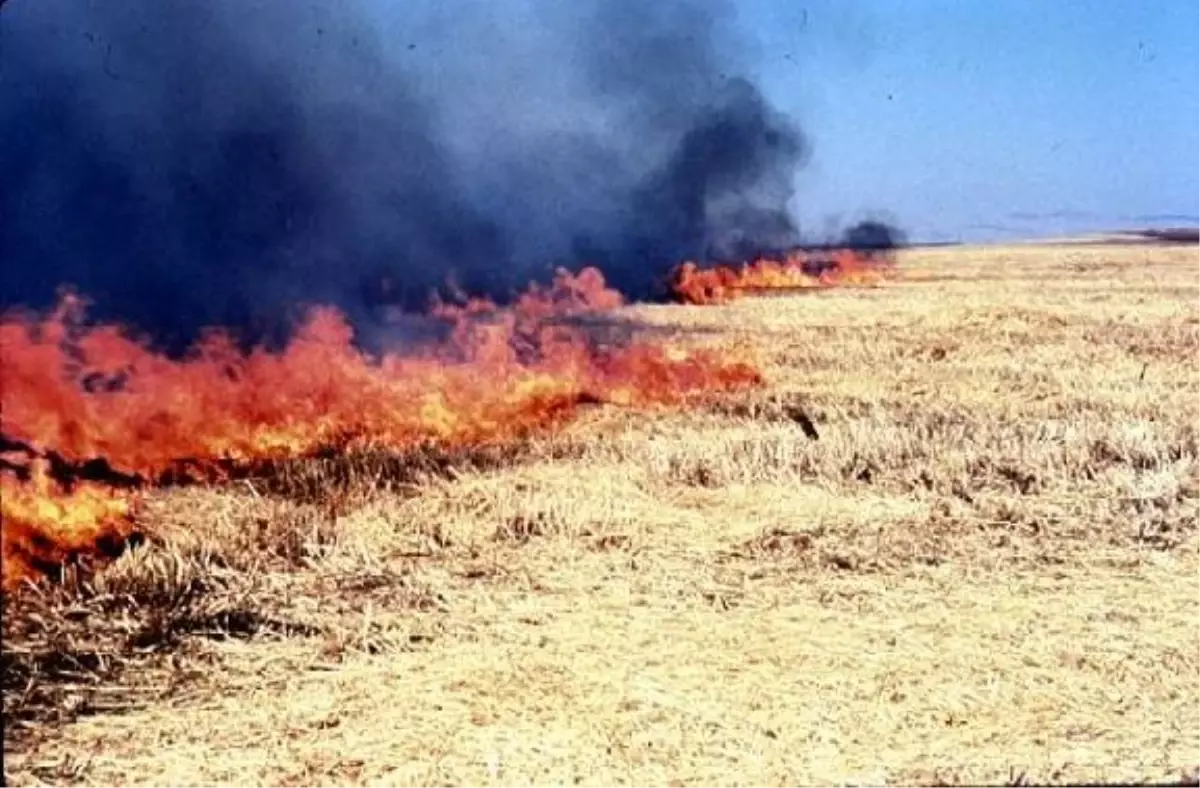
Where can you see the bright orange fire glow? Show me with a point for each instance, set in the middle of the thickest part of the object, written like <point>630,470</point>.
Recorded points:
<point>83,392</point>
<point>46,525</point>
<point>722,284</point>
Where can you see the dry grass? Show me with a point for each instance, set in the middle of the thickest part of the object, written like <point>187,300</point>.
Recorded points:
<point>955,541</point>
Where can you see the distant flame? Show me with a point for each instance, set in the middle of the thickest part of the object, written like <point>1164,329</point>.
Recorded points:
<point>86,392</point>
<point>798,271</point>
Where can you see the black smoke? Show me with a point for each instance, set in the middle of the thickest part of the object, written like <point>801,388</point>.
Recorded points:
<point>873,236</point>
<point>221,162</point>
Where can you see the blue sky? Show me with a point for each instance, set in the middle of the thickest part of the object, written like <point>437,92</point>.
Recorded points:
<point>979,119</point>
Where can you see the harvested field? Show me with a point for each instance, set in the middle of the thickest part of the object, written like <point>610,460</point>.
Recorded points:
<point>954,540</point>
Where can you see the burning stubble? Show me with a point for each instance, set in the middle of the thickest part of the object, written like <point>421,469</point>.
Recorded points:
<point>797,271</point>
<point>76,395</point>
<point>225,164</point>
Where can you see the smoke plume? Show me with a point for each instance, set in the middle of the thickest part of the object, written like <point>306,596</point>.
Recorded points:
<point>219,162</point>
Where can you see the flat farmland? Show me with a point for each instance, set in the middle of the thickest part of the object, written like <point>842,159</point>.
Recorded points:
<point>952,539</point>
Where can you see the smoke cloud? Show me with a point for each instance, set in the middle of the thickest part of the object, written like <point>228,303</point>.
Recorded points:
<point>219,162</point>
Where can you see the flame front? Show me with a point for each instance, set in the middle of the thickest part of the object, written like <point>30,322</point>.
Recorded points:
<point>46,525</point>
<point>81,393</point>
<point>798,271</point>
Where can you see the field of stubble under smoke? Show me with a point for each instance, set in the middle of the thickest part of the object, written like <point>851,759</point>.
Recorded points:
<point>981,570</point>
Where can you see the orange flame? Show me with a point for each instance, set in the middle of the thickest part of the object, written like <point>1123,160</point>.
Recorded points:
<point>722,284</point>
<point>46,526</point>
<point>93,392</point>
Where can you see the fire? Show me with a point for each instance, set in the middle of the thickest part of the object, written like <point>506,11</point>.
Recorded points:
<point>797,271</point>
<point>81,393</point>
<point>47,525</point>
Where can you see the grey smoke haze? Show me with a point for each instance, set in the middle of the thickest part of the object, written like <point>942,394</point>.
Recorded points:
<point>206,162</point>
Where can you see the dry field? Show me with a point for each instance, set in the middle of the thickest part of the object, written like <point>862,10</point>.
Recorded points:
<point>954,540</point>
